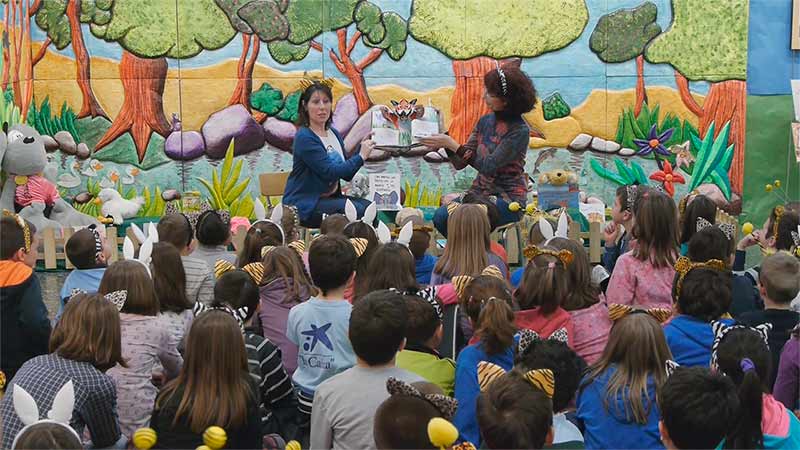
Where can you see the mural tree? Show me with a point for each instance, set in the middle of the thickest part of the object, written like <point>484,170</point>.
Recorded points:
<point>147,31</point>
<point>477,33</point>
<point>17,30</point>
<point>378,30</point>
<point>623,35</point>
<point>61,20</point>
<point>708,42</point>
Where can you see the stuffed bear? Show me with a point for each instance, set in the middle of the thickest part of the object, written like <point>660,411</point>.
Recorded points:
<point>558,177</point>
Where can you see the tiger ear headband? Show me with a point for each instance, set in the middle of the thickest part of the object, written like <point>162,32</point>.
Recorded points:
<point>728,228</point>
<point>684,265</point>
<point>617,312</point>
<point>255,270</point>
<point>503,80</point>
<point>565,256</point>
<point>460,282</point>
<point>720,330</point>
<point>528,337</point>
<point>444,404</point>
<point>538,378</point>
<point>118,298</point>
<point>452,206</point>
<point>779,212</point>
<point>796,241</point>
<point>26,230</point>
<point>238,314</point>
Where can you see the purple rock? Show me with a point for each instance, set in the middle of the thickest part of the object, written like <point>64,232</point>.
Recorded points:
<point>184,145</point>
<point>359,131</point>
<point>233,122</point>
<point>279,133</point>
<point>345,114</point>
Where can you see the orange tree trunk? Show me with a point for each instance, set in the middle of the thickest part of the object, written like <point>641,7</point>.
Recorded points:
<point>467,105</point>
<point>142,110</point>
<point>727,102</point>
<point>89,104</point>
<point>352,70</point>
<point>244,86</point>
<point>641,94</point>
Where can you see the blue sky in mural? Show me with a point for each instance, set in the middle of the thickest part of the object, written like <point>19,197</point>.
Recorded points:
<point>573,71</point>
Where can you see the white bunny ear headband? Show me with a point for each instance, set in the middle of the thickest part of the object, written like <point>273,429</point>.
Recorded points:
<point>150,231</point>
<point>275,218</point>
<point>369,214</point>
<point>403,237</point>
<point>547,230</point>
<point>145,250</point>
<point>28,412</point>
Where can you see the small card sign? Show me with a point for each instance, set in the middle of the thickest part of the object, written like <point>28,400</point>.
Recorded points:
<point>554,197</point>
<point>384,191</point>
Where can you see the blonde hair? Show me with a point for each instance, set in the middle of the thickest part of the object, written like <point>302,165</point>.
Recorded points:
<point>467,249</point>
<point>780,276</point>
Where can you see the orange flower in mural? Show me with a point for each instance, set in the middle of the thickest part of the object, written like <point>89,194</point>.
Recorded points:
<point>668,178</point>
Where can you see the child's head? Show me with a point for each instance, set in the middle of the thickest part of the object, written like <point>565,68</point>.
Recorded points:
<point>333,224</point>
<point>131,276</point>
<point>545,283</point>
<point>777,231</point>
<point>491,208</point>
<point>169,278</point>
<point>401,421</point>
<point>378,327</point>
<point>420,243</point>
<point>88,248</point>
<point>261,234</point>
<point>237,289</point>
<point>284,263</point>
<point>702,289</point>
<point>710,243</point>
<point>780,278</point>
<point>18,240</point>
<point>49,435</point>
<point>177,230</point>
<point>625,198</point>
<point>331,261</point>
<point>363,265</point>
<point>89,331</point>
<point>638,349</point>
<point>582,292</point>
<point>487,302</point>
<point>697,408</point>
<point>656,229</point>
<point>467,246</point>
<point>392,267</point>
<point>535,236</point>
<point>514,414</point>
<point>566,365</point>
<point>742,354</point>
<point>699,207</point>
<point>424,327</point>
<point>212,229</point>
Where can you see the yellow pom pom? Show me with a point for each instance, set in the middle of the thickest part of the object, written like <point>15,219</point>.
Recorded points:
<point>144,438</point>
<point>204,447</point>
<point>441,432</point>
<point>215,437</point>
<point>768,188</point>
<point>293,445</point>
<point>777,183</point>
<point>747,228</point>
<point>530,209</point>
<point>514,206</point>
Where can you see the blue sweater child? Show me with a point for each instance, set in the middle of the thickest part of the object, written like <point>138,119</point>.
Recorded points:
<point>88,250</point>
<point>689,339</point>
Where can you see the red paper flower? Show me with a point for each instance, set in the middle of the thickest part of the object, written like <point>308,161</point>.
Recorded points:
<point>668,178</point>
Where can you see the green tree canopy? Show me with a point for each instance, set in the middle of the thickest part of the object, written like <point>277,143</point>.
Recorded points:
<point>623,35</point>
<point>707,40</point>
<point>499,29</point>
<point>265,18</point>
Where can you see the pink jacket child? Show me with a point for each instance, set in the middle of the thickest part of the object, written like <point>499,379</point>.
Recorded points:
<point>638,283</point>
<point>592,327</point>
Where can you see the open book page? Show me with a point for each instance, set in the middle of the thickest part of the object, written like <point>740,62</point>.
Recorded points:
<point>423,128</point>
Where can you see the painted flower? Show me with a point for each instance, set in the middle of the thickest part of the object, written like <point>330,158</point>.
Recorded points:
<point>654,142</point>
<point>668,178</point>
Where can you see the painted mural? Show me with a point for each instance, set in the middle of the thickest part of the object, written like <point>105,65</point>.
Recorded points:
<point>160,98</point>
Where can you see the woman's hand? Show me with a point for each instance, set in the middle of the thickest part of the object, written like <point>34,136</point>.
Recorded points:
<point>437,141</point>
<point>367,145</point>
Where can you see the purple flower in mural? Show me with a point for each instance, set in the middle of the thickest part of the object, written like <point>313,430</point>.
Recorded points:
<point>654,143</point>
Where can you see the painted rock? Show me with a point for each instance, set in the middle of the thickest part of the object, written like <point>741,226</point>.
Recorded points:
<point>604,146</point>
<point>170,194</point>
<point>83,151</point>
<point>581,142</point>
<point>83,197</point>
<point>280,133</point>
<point>345,114</point>
<point>185,145</point>
<point>359,131</point>
<point>436,157</point>
<point>379,155</point>
<point>50,144</point>
<point>627,152</point>
<point>233,122</point>
<point>66,142</point>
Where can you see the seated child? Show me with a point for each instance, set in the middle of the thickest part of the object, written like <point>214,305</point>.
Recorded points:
<point>494,221</point>
<point>89,251</point>
<point>177,230</point>
<point>357,285</point>
<point>343,414</point>
<point>318,326</point>
<point>213,233</point>
<point>617,234</point>
<point>544,288</point>
<point>487,302</point>
<point>696,207</point>
<point>48,434</point>
<point>567,368</point>
<point>420,243</point>
<point>617,398</point>
<point>169,284</point>
<point>423,336</point>
<point>25,327</point>
<point>703,294</point>
<point>402,420</point>
<point>234,290</point>
<point>698,407</point>
<point>779,285</point>
<point>742,354</point>
<point>259,235</point>
<point>787,385</point>
<point>333,224</point>
<point>712,243</point>
<point>535,237</point>
<point>513,412</point>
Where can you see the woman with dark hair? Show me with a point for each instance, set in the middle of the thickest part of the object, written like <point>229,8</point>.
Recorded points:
<point>497,146</point>
<point>319,160</point>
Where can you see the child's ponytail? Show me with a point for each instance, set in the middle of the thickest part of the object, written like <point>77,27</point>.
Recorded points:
<point>495,325</point>
<point>747,433</point>
<point>545,281</point>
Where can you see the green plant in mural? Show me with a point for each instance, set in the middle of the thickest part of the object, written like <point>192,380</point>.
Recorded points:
<point>623,35</point>
<point>554,107</point>
<point>8,110</point>
<point>267,99</point>
<point>154,205</point>
<point>624,175</point>
<point>416,198</point>
<point>225,189</point>
<point>45,122</point>
<point>713,160</point>
<point>290,106</point>
<point>90,208</point>
<point>631,126</point>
